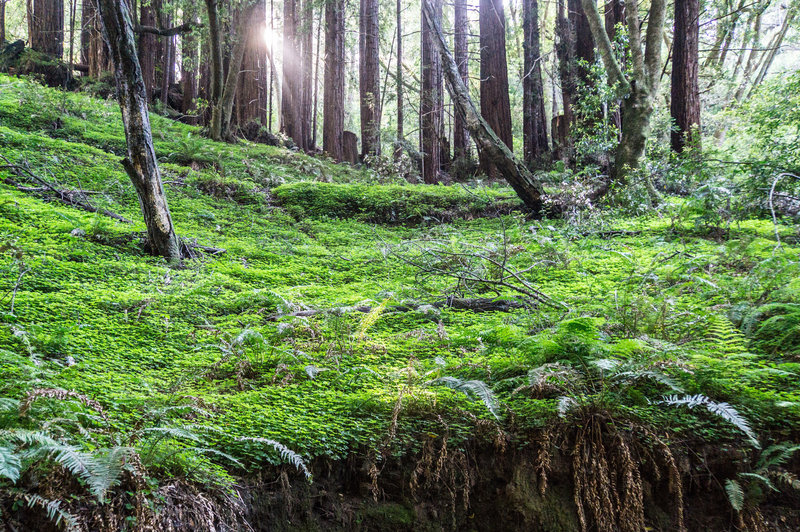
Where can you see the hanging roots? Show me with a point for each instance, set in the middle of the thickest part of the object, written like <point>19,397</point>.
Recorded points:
<point>607,466</point>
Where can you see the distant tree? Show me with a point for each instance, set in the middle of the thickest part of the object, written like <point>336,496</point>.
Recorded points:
<point>190,64</point>
<point>495,102</point>
<point>150,47</point>
<point>333,91</point>
<point>141,163</point>
<point>369,77</point>
<point>307,74</point>
<point>2,21</point>
<point>685,90</point>
<point>398,151</point>
<point>431,109</point>
<point>534,123</point>
<point>292,82</point>
<point>46,26</point>
<point>461,55</point>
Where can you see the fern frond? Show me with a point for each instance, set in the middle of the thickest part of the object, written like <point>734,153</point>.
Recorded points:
<point>723,337</point>
<point>177,433</point>
<point>285,453</point>
<point>249,337</point>
<point>8,405</point>
<point>761,478</point>
<point>723,410</point>
<point>735,494</point>
<point>10,464</point>
<point>787,478</point>
<point>61,395</point>
<point>54,511</point>
<point>312,371</point>
<point>776,455</point>
<point>472,388</point>
<point>657,376</point>
<point>565,404</point>
<point>370,319</point>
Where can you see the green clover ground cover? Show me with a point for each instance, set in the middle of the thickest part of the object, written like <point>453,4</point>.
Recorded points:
<point>94,314</point>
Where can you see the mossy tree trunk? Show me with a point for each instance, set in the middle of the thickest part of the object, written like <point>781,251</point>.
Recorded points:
<point>141,164</point>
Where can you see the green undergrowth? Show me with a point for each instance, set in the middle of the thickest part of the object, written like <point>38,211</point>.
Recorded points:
<point>651,308</point>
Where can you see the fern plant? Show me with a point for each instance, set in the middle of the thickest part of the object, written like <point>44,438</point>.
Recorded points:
<point>723,410</point>
<point>471,388</point>
<point>767,475</point>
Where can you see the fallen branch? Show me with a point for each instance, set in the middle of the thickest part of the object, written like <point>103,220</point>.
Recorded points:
<point>472,305</point>
<point>73,198</point>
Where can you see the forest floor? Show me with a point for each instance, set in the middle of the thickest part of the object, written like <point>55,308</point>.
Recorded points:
<point>209,356</point>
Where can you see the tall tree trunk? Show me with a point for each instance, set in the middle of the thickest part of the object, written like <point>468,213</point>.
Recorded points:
<point>333,93</point>
<point>244,32</point>
<point>307,78</point>
<point>46,26</point>
<point>685,96</point>
<point>495,102</point>
<point>315,111</point>
<point>150,50</point>
<point>189,66</point>
<point>248,95</point>
<point>97,56</point>
<point>534,121</point>
<point>431,110</point>
<point>141,163</point>
<point>2,21</point>
<point>461,52</point>
<point>292,85</point>
<point>369,78</point>
<point>398,150</point>
<point>513,170</point>
<point>168,65</point>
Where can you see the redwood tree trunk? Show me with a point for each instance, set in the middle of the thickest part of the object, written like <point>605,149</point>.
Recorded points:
<point>431,109</point>
<point>307,81</point>
<point>369,78</point>
<point>2,21</point>
<point>398,150</point>
<point>495,103</point>
<point>461,53</point>
<point>534,121</point>
<point>685,101</point>
<point>333,94</point>
<point>189,67</point>
<point>150,53</point>
<point>251,78</point>
<point>291,97</point>
<point>46,26</point>
<point>141,163</point>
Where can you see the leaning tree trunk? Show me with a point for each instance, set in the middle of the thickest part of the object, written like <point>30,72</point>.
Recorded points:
<point>46,26</point>
<point>495,102</point>
<point>461,52</point>
<point>333,93</point>
<point>513,170</point>
<point>369,78</point>
<point>534,122</point>
<point>141,163</point>
<point>685,96</point>
<point>431,110</point>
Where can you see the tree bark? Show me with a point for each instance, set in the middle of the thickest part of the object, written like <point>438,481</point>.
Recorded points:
<point>46,26</point>
<point>97,56</point>
<point>307,77</point>
<point>369,78</point>
<point>225,108</point>
<point>252,76</point>
<point>431,110</point>
<point>685,94</point>
<point>534,121</point>
<point>333,93</point>
<point>292,85</point>
<point>189,67</point>
<point>513,170</point>
<point>495,102</point>
<point>150,49</point>
<point>3,21</point>
<point>398,150</point>
<point>141,163</point>
<point>461,52</point>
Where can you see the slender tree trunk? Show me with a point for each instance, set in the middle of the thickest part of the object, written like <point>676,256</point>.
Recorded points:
<point>307,65</point>
<point>189,66</point>
<point>398,150</point>
<point>46,26</point>
<point>141,163</point>
<point>168,66</point>
<point>369,78</point>
<point>149,46</point>
<point>534,122</point>
<point>774,46</point>
<point>495,102</point>
<point>243,35</point>
<point>461,52</point>
<point>292,85</point>
<point>315,114</point>
<point>490,145</point>
<point>73,8</point>
<point>2,21</point>
<point>333,93</point>
<point>431,109</point>
<point>685,96</point>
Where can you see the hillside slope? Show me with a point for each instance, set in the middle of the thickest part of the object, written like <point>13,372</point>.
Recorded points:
<point>196,367</point>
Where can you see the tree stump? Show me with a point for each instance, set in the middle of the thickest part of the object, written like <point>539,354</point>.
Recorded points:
<point>350,147</point>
